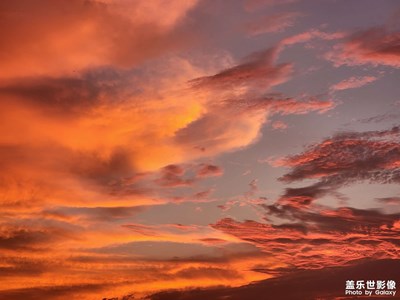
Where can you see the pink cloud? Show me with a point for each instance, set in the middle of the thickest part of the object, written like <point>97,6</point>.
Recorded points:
<point>309,35</point>
<point>302,239</point>
<point>279,125</point>
<point>272,23</point>
<point>375,46</point>
<point>353,82</point>
<point>257,71</point>
<point>349,156</point>
<point>292,106</point>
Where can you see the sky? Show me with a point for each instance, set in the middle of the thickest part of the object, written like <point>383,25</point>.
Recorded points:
<point>150,146</point>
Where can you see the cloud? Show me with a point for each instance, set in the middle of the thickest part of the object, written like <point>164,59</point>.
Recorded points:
<point>279,125</point>
<point>86,168</point>
<point>380,118</point>
<point>171,176</point>
<point>165,230</point>
<point>253,189</point>
<point>203,194</point>
<point>94,145</point>
<point>297,230</point>
<point>86,133</point>
<point>389,200</point>
<point>284,106</point>
<point>253,5</point>
<point>187,175</point>
<point>195,273</point>
<point>61,37</point>
<point>326,283</point>
<point>212,241</point>
<point>217,131</point>
<point>353,82</point>
<point>272,23</point>
<point>256,71</point>
<point>209,170</point>
<point>100,120</point>
<point>344,220</point>
<point>129,254</point>
<point>54,292</point>
<point>308,36</point>
<point>304,196</point>
<point>223,264</point>
<point>374,46</point>
<point>25,239</point>
<point>291,106</point>
<point>95,214</point>
<point>142,229</point>
<point>298,242</point>
<point>372,156</point>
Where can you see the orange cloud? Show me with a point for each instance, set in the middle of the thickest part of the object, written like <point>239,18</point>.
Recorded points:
<point>87,134</point>
<point>326,283</point>
<point>63,37</point>
<point>93,133</point>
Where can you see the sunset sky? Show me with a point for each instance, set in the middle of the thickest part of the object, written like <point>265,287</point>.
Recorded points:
<point>180,144</point>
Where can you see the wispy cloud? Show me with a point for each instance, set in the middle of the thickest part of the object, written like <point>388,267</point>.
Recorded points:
<point>272,23</point>
<point>257,70</point>
<point>279,125</point>
<point>374,46</point>
<point>353,82</point>
<point>369,155</point>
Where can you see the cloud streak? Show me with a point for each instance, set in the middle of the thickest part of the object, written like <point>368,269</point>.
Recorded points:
<point>326,283</point>
<point>353,82</point>
<point>374,46</point>
<point>272,23</point>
